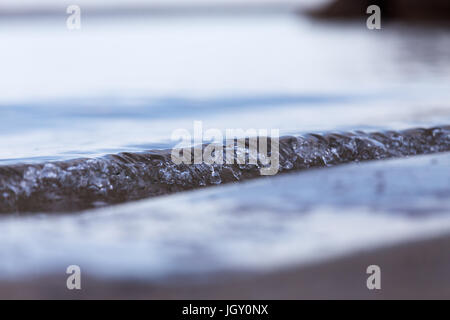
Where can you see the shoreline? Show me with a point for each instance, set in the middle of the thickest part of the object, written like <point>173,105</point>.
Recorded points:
<point>80,184</point>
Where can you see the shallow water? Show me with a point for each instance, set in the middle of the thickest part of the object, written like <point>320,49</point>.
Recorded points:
<point>73,185</point>
<point>124,85</point>
<point>254,226</point>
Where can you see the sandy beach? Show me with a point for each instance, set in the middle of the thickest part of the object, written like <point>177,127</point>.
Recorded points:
<point>415,270</point>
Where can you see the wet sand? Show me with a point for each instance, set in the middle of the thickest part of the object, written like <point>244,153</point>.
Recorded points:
<point>415,270</point>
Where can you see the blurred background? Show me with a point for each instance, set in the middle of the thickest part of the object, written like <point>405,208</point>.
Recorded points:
<point>137,70</point>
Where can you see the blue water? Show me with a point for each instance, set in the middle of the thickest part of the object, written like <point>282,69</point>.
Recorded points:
<point>125,84</point>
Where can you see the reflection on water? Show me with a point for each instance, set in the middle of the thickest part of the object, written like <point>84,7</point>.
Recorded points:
<point>422,53</point>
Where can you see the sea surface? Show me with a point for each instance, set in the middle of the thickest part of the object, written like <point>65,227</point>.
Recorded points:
<point>118,88</point>
<point>125,84</point>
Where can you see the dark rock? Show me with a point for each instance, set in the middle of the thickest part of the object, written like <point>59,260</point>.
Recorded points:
<point>430,11</point>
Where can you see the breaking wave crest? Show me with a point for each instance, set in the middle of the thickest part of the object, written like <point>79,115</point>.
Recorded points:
<point>85,183</point>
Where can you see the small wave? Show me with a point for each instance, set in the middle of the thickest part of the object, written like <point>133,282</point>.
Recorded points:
<point>86,183</point>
